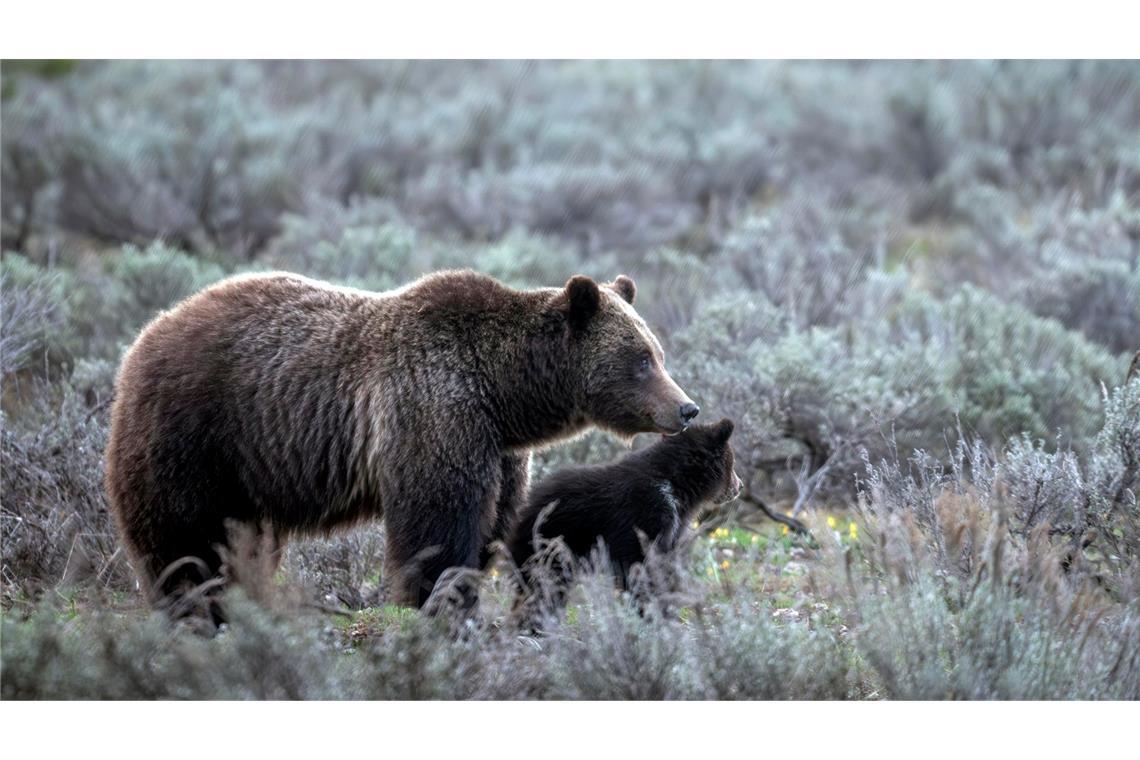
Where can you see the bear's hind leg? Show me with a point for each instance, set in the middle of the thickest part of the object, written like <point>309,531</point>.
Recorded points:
<point>191,585</point>
<point>186,582</point>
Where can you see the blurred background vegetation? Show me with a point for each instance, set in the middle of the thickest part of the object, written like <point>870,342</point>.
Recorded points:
<point>914,285</point>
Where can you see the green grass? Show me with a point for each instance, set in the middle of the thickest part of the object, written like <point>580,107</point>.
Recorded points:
<point>374,621</point>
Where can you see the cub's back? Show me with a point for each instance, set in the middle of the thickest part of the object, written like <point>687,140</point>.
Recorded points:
<point>611,502</point>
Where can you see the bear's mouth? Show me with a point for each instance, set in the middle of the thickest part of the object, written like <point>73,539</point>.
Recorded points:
<point>672,425</point>
<point>732,491</point>
<point>668,431</point>
<point>726,496</point>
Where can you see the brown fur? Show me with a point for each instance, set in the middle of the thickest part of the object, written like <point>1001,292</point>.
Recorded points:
<point>299,407</point>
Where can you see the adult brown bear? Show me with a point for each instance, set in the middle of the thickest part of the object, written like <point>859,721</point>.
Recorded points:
<point>298,407</point>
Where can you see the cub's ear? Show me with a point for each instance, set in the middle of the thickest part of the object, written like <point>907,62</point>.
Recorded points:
<point>583,297</point>
<point>624,287</point>
<point>722,430</point>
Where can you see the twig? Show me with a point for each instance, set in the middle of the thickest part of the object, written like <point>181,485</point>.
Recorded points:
<point>330,610</point>
<point>791,522</point>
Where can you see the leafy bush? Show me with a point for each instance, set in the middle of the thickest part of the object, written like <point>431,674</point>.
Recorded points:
<point>34,319</point>
<point>108,306</point>
<point>1009,371</point>
<point>210,155</point>
<point>968,587</point>
<point>375,258</point>
<point>56,527</point>
<point>343,570</point>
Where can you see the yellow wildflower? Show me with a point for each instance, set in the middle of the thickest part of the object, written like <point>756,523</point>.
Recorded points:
<point>724,565</point>
<point>710,570</point>
<point>785,530</point>
<point>853,530</point>
<point>831,522</point>
<point>755,539</point>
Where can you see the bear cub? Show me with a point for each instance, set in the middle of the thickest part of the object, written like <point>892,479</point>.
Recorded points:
<point>643,500</point>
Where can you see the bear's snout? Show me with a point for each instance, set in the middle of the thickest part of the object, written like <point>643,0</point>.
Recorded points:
<point>688,412</point>
<point>734,488</point>
<point>674,410</point>
<point>675,418</point>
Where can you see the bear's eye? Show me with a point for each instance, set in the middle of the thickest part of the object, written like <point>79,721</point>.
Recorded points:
<point>644,365</point>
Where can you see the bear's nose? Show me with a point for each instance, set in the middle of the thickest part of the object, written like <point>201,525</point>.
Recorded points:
<point>689,411</point>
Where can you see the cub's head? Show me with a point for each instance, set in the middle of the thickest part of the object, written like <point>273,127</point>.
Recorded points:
<point>619,363</point>
<point>702,462</point>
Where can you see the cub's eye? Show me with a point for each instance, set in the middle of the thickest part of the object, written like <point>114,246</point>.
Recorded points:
<point>644,365</point>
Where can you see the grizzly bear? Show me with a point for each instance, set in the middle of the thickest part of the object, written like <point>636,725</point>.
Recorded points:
<point>296,407</point>
<point>643,500</point>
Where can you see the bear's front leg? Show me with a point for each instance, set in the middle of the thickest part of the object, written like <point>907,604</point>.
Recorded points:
<point>515,479</point>
<point>436,523</point>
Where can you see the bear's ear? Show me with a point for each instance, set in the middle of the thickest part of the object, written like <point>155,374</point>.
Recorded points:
<point>722,431</point>
<point>583,297</point>
<point>624,287</point>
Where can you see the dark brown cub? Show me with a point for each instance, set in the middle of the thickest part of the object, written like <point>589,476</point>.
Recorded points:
<point>642,500</point>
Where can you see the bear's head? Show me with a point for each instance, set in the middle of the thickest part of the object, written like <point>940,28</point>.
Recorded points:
<point>729,482</point>
<point>624,385</point>
<point>701,462</point>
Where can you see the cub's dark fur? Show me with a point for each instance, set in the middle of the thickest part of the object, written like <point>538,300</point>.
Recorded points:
<point>644,498</point>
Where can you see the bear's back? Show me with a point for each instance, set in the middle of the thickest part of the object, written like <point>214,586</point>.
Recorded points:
<point>236,387</point>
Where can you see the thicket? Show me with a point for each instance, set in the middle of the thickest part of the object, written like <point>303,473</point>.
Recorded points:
<point>914,285</point>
